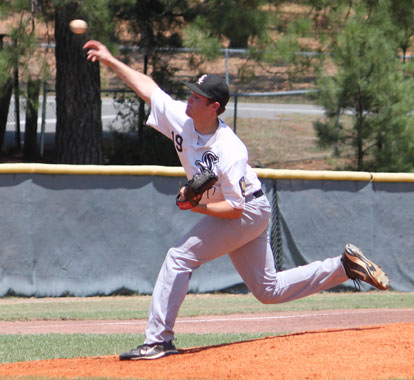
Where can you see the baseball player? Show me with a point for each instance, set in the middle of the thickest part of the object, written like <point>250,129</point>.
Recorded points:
<point>236,210</point>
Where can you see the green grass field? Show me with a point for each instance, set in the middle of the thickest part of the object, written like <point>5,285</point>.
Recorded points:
<point>136,307</point>
<point>15,348</point>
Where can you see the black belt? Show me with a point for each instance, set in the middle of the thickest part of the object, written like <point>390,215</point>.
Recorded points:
<point>258,193</point>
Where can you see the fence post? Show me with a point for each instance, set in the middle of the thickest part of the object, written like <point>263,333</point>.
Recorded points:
<point>227,67</point>
<point>43,127</point>
<point>235,114</point>
<point>17,106</point>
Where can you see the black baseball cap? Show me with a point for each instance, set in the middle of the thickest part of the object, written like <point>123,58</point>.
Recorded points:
<point>211,86</point>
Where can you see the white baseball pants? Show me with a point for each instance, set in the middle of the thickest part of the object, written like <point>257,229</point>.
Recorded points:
<point>247,243</point>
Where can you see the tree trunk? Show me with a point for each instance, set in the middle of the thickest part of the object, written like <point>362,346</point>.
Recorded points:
<point>359,142</point>
<point>30,135</point>
<point>78,98</point>
<point>141,110</point>
<point>5,95</point>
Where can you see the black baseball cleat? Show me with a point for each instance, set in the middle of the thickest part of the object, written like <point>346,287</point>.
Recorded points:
<point>359,268</point>
<point>150,351</point>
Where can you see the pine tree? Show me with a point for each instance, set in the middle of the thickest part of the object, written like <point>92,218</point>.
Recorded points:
<point>370,87</point>
<point>18,44</point>
<point>78,98</point>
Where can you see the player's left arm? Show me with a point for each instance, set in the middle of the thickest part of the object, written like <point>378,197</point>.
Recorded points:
<point>221,209</point>
<point>233,204</point>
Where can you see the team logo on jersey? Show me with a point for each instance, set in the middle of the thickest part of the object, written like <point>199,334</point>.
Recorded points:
<point>242,184</point>
<point>208,161</point>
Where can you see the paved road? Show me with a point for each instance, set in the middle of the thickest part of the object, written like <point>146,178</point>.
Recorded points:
<point>270,111</point>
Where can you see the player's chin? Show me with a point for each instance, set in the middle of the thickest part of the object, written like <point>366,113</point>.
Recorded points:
<point>188,111</point>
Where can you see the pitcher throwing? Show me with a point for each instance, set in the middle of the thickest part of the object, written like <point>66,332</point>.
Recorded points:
<point>236,210</point>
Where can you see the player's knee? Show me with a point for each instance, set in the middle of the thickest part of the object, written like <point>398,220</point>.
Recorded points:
<point>173,259</point>
<point>265,296</point>
<point>266,300</point>
<point>179,262</point>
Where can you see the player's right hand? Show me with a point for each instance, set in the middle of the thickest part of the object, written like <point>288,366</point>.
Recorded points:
<point>97,52</point>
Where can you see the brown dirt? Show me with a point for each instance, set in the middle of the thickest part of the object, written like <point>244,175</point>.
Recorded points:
<point>354,344</point>
<point>375,352</point>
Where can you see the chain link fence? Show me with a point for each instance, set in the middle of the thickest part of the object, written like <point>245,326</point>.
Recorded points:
<point>275,231</point>
<point>245,76</point>
<point>243,73</point>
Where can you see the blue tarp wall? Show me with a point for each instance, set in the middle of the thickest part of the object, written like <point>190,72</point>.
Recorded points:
<point>92,230</point>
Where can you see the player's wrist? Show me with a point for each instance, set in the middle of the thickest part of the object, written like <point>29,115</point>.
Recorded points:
<point>200,208</point>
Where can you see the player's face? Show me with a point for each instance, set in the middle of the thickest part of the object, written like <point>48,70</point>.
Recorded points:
<point>198,106</point>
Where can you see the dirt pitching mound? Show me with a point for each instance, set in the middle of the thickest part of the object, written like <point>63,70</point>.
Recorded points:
<point>371,352</point>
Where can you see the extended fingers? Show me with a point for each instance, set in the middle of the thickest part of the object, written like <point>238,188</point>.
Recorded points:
<point>91,44</point>
<point>93,51</point>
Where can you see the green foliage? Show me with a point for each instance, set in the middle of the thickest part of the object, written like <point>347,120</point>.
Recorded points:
<point>100,19</point>
<point>24,38</point>
<point>287,50</point>
<point>237,21</point>
<point>368,82</point>
<point>360,39</point>
<point>136,144</point>
<point>151,148</point>
<point>21,41</point>
<point>155,25</point>
<point>5,69</point>
<point>97,13</point>
<point>198,37</point>
<point>402,19</point>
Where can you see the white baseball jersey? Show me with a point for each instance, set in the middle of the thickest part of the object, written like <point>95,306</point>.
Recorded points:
<point>244,239</point>
<point>223,152</point>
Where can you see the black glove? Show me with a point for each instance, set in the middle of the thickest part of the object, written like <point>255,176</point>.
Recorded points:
<point>195,188</point>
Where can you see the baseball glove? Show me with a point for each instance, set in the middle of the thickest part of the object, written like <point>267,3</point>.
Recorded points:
<point>195,188</point>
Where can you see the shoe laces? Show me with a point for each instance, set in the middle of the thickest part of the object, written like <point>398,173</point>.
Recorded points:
<point>357,284</point>
<point>351,272</point>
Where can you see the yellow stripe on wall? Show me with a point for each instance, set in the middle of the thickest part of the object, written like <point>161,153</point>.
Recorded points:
<point>173,171</point>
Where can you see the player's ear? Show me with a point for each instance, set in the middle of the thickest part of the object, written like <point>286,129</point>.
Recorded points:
<point>216,106</point>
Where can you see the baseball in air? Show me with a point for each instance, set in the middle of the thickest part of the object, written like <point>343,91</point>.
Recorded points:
<point>78,26</point>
